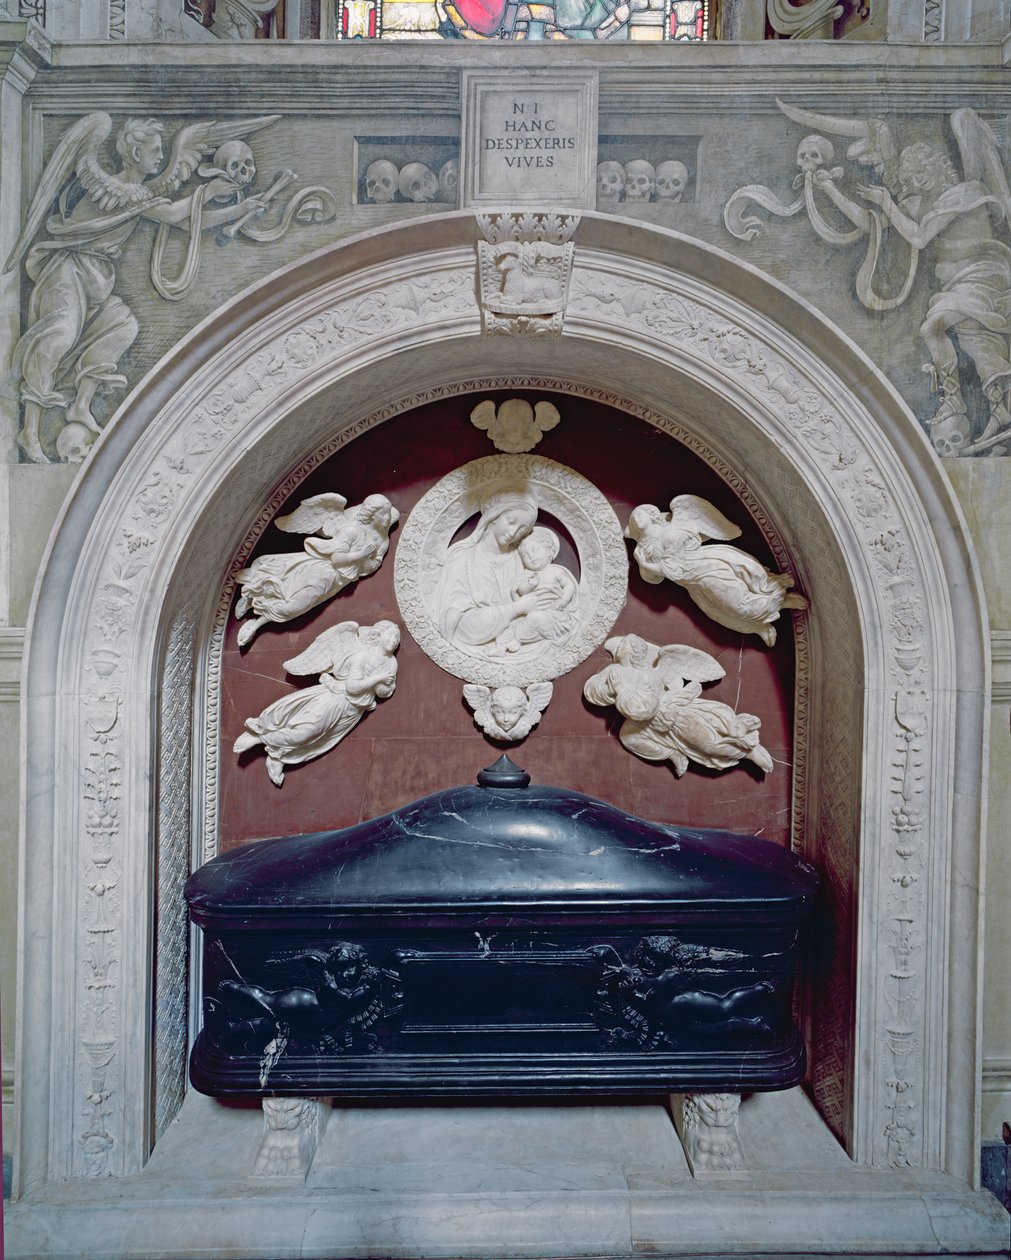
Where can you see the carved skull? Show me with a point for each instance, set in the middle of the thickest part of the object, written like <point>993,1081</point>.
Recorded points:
<point>610,182</point>
<point>640,180</point>
<point>74,442</point>
<point>814,152</point>
<point>236,160</point>
<point>950,434</point>
<point>671,178</point>
<point>418,182</point>
<point>449,179</point>
<point>381,181</point>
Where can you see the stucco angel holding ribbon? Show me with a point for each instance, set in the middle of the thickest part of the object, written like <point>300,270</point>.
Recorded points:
<point>77,329</point>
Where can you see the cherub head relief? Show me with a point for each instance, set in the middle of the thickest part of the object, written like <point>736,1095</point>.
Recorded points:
<point>508,713</point>
<point>515,427</point>
<point>671,181</point>
<point>381,181</point>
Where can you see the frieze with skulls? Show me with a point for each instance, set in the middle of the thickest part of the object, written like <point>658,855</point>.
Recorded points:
<point>671,181</point>
<point>449,180</point>
<point>640,180</point>
<point>381,179</point>
<point>610,182</point>
<point>418,182</point>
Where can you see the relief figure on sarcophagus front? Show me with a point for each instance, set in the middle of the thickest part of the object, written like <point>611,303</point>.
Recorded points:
<point>310,1001</point>
<point>673,992</point>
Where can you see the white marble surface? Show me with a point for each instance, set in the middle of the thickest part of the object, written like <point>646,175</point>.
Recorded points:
<point>527,1181</point>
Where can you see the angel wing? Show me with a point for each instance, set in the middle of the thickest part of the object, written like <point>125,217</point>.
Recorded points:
<point>981,159</point>
<point>483,415</point>
<point>689,512</point>
<point>319,515</point>
<point>199,140</point>
<point>539,695</point>
<point>83,140</point>
<point>478,698</point>
<point>677,663</point>
<point>545,415</point>
<point>873,143</point>
<point>326,651</point>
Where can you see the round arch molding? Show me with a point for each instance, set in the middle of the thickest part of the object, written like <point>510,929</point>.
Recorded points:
<point>678,332</point>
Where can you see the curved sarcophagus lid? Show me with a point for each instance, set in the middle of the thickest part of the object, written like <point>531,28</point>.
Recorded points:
<point>504,844</point>
<point>503,938</point>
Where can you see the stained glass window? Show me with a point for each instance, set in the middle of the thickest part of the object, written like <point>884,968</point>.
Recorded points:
<point>536,21</point>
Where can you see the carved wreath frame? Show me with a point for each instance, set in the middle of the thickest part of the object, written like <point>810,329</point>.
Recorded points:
<point>898,716</point>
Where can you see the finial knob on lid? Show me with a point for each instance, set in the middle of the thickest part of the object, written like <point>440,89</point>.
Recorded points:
<point>503,774</point>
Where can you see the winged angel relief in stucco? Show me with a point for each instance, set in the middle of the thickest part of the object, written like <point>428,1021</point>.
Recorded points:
<point>914,200</point>
<point>77,329</point>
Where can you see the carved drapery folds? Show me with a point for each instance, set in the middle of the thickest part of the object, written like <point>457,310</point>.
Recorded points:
<point>77,328</point>
<point>356,668</point>
<point>730,586</point>
<point>658,691</point>
<point>916,199</point>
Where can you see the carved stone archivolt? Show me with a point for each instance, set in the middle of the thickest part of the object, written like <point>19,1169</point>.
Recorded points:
<point>890,534</point>
<point>492,605</point>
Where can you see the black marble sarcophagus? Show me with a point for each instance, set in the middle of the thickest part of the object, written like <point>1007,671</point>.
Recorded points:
<point>500,939</point>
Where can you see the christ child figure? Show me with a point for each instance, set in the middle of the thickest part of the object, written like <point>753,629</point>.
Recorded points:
<point>554,617</point>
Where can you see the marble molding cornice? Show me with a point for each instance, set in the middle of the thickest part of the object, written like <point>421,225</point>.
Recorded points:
<point>1000,655</point>
<point>117,76</point>
<point>25,48</point>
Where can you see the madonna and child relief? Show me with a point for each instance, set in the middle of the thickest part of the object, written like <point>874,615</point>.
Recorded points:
<point>480,579</point>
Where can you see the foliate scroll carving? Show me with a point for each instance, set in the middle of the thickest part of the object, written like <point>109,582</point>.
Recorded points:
<point>514,426</point>
<point>916,200</point>
<point>524,267</point>
<point>707,1125</point>
<point>729,585</point>
<point>508,713</point>
<point>78,329</point>
<point>658,691</point>
<point>292,1128</point>
<point>356,668</point>
<point>495,607</point>
<point>354,541</point>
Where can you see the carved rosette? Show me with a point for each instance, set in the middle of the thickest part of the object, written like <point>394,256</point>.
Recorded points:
<point>560,491</point>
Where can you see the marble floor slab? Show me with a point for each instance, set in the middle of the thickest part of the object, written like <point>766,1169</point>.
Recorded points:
<point>532,1182</point>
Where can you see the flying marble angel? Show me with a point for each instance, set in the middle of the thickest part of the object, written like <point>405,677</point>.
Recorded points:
<point>658,690</point>
<point>729,585</point>
<point>283,586</point>
<point>356,668</point>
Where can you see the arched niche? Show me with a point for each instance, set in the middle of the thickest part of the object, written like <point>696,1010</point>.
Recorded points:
<point>121,667</point>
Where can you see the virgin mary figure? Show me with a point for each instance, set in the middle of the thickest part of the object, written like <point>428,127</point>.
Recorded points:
<point>474,601</point>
